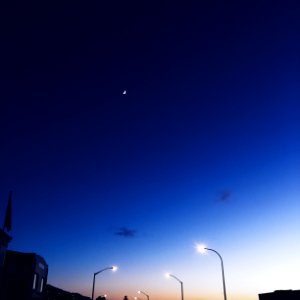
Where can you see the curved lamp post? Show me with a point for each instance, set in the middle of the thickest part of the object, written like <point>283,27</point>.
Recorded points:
<point>140,292</point>
<point>168,275</point>
<point>201,249</point>
<point>113,268</point>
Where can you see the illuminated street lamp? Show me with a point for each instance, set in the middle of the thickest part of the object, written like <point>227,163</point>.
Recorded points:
<point>168,275</point>
<point>202,249</point>
<point>140,292</point>
<point>113,268</point>
<point>137,298</point>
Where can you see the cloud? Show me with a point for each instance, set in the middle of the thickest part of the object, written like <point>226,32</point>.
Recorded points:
<point>126,232</point>
<point>224,196</point>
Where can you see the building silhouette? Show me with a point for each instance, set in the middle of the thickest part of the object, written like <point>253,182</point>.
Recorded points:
<point>4,241</point>
<point>281,295</point>
<point>5,238</point>
<point>24,276</point>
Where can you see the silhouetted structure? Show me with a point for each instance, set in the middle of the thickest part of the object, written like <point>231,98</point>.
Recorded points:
<point>4,241</point>
<point>24,276</point>
<point>5,238</point>
<point>54,293</point>
<point>281,295</point>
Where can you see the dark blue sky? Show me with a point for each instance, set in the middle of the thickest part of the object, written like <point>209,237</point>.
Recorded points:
<point>212,107</point>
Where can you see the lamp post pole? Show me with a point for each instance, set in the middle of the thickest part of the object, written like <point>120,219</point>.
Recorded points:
<point>223,274</point>
<point>96,273</point>
<point>140,292</point>
<point>181,283</point>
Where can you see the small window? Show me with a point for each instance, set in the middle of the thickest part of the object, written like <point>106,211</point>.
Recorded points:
<point>34,281</point>
<point>42,285</point>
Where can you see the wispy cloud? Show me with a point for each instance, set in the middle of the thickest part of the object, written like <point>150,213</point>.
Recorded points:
<point>224,196</point>
<point>126,232</point>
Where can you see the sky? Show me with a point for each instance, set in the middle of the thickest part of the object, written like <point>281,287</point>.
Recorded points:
<point>204,147</point>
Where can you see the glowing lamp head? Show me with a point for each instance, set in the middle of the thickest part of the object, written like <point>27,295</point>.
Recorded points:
<point>167,275</point>
<point>135,298</point>
<point>114,268</point>
<point>139,292</point>
<point>201,248</point>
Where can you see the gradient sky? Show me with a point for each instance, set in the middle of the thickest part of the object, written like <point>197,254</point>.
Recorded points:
<point>203,148</point>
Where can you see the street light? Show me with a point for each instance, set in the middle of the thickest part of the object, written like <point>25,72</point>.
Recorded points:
<point>201,249</point>
<point>140,292</point>
<point>113,268</point>
<point>168,275</point>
